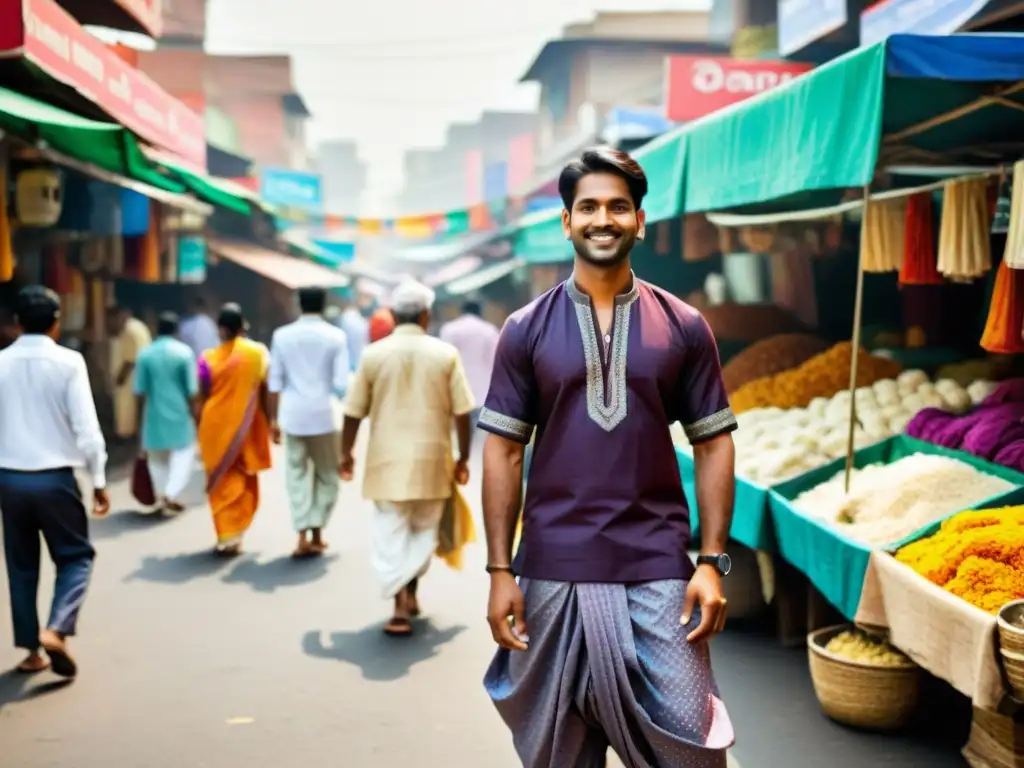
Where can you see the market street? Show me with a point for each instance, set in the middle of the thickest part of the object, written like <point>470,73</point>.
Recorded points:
<point>265,661</point>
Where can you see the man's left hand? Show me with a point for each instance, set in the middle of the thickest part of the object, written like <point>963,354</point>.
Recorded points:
<point>705,590</point>
<point>461,472</point>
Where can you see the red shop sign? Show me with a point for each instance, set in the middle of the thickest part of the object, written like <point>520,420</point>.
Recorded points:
<point>699,85</point>
<point>148,13</point>
<point>45,34</point>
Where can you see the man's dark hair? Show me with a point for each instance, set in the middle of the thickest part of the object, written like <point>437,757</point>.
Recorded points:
<point>312,300</point>
<point>37,309</point>
<point>117,309</point>
<point>231,319</point>
<point>167,324</point>
<point>472,308</point>
<point>603,160</point>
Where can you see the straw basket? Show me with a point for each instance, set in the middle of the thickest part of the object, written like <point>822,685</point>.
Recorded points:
<point>857,694</point>
<point>996,741</point>
<point>1011,645</point>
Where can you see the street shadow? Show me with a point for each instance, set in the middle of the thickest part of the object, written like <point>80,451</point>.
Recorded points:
<point>379,657</point>
<point>124,522</point>
<point>279,573</point>
<point>15,687</point>
<point>178,569</point>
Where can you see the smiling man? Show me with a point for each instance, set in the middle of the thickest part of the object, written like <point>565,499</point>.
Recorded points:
<point>604,634</point>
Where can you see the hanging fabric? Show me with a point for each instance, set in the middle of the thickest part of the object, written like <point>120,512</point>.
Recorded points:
<point>6,249</point>
<point>1001,218</point>
<point>792,280</point>
<point>964,248</point>
<point>1006,313</point>
<point>885,235</point>
<point>919,256</point>
<point>1013,254</point>
<point>149,256</point>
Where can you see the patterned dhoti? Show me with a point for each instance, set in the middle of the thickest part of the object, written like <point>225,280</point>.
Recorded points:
<point>609,665</point>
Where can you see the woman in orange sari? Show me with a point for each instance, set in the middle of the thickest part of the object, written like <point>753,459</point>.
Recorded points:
<point>234,434</point>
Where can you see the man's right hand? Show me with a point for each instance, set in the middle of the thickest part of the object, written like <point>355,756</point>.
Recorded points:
<point>275,433</point>
<point>100,502</point>
<point>507,600</point>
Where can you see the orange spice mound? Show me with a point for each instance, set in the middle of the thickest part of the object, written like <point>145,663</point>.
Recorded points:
<point>822,376</point>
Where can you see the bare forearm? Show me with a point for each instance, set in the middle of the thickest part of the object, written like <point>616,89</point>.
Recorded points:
<point>273,398</point>
<point>265,400</point>
<point>464,432</point>
<point>502,496</point>
<point>349,430</point>
<point>714,467</point>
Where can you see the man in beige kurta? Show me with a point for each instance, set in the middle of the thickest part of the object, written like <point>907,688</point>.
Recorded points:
<point>130,337</point>
<point>411,386</point>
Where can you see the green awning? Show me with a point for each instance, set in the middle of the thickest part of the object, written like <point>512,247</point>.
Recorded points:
<point>107,146</point>
<point>664,162</point>
<point>909,100</point>
<point>215,191</point>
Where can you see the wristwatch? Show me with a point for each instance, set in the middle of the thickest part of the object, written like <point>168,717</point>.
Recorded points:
<point>723,563</point>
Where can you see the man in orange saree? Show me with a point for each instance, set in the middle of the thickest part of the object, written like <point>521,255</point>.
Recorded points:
<point>234,434</point>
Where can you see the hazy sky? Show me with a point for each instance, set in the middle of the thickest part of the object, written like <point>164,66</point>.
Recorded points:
<point>392,74</point>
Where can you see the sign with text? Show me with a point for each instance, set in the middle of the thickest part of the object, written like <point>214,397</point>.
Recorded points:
<point>297,190</point>
<point>700,85</point>
<point>149,13</point>
<point>45,34</point>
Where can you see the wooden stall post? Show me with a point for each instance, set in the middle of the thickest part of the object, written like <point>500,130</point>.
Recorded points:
<point>858,308</point>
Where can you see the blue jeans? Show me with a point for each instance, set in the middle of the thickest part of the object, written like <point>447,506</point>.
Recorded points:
<point>47,503</point>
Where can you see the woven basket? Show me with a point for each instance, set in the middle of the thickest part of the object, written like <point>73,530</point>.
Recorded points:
<point>1011,645</point>
<point>861,695</point>
<point>996,741</point>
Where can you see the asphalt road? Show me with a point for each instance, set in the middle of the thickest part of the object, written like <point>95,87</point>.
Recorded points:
<point>187,660</point>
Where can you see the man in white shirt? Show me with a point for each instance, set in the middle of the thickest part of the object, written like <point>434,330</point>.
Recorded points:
<point>309,370</point>
<point>48,427</point>
<point>476,339</point>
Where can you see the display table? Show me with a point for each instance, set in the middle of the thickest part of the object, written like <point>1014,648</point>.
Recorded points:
<point>947,636</point>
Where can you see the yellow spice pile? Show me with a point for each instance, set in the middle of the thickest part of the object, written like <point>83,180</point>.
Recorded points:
<point>822,376</point>
<point>977,556</point>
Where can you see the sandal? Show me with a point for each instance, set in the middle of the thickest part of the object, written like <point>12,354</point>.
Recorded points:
<point>33,665</point>
<point>398,627</point>
<point>61,661</point>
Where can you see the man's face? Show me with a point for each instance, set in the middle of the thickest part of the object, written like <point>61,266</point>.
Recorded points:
<point>603,223</point>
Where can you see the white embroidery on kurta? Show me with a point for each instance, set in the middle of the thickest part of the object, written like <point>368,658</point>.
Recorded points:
<point>609,413</point>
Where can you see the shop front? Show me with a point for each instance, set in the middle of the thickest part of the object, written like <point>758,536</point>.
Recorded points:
<point>45,52</point>
<point>891,17</point>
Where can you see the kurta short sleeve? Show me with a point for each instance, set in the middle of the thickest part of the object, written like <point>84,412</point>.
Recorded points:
<point>702,404</point>
<point>357,399</point>
<point>510,408</point>
<point>461,393</point>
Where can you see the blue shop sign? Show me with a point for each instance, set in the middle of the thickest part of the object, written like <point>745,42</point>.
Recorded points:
<point>917,17</point>
<point>191,259</point>
<point>292,189</point>
<point>802,22</point>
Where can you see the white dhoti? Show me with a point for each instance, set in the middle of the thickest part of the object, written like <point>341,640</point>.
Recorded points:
<point>171,471</point>
<point>404,540</point>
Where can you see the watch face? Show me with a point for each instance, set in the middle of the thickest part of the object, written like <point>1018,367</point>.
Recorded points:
<point>724,564</point>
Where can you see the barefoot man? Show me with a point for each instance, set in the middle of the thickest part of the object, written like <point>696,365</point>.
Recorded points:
<point>48,427</point>
<point>411,386</point>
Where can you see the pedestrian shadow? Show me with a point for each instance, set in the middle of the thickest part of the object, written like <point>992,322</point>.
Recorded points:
<point>16,687</point>
<point>379,657</point>
<point>123,522</point>
<point>178,569</point>
<point>279,573</point>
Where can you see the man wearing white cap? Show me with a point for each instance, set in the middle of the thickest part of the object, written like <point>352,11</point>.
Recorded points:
<point>411,386</point>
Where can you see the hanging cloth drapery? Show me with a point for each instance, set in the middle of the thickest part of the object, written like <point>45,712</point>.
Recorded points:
<point>1006,313</point>
<point>1013,254</point>
<point>6,249</point>
<point>792,279</point>
<point>919,257</point>
<point>884,235</point>
<point>964,249</point>
<point>1001,218</point>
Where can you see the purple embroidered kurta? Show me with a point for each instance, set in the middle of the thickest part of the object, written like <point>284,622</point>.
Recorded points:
<point>604,500</point>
